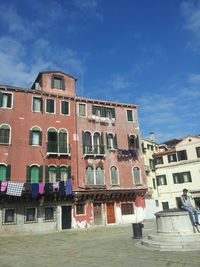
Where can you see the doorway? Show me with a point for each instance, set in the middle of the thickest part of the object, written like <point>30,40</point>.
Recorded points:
<point>110,213</point>
<point>97,213</point>
<point>66,217</point>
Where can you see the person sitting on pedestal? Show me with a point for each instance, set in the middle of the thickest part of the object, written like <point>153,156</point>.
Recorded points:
<point>187,206</point>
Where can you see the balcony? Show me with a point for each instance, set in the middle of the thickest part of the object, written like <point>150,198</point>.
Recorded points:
<point>61,148</point>
<point>96,150</point>
<point>127,153</point>
<point>147,168</point>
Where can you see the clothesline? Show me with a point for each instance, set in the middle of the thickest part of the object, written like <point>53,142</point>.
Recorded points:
<point>16,188</point>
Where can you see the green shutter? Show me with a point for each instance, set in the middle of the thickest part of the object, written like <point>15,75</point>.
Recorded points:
<point>58,174</point>
<point>40,138</point>
<point>63,83</point>
<point>46,174</point>
<point>129,115</point>
<point>51,105</point>
<point>83,141</point>
<point>137,142</point>
<point>107,141</point>
<point>115,141</point>
<point>157,180</point>
<point>65,107</point>
<point>8,172</point>
<point>28,174</point>
<point>52,81</point>
<point>103,111</point>
<point>47,105</point>
<point>93,110</point>
<point>129,143</point>
<point>1,99</point>
<point>41,174</point>
<point>69,172</point>
<point>165,180</point>
<point>113,113</point>
<point>30,137</point>
<point>102,149</point>
<point>9,101</point>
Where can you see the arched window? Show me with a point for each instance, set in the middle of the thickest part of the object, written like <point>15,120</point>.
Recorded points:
<point>52,143</point>
<point>136,175</point>
<point>35,136</point>
<point>52,174</point>
<point>96,142</point>
<point>5,134</point>
<point>114,175</point>
<point>89,175</point>
<point>99,175</point>
<point>35,174</point>
<point>133,142</point>
<point>2,172</point>
<point>63,146</point>
<point>63,173</point>
<point>87,142</point>
<point>110,140</point>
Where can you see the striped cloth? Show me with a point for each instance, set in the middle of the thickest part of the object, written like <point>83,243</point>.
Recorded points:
<point>14,189</point>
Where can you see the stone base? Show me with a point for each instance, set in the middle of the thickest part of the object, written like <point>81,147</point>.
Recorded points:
<point>173,242</point>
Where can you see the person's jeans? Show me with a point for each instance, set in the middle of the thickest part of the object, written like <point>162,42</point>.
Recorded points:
<point>194,219</point>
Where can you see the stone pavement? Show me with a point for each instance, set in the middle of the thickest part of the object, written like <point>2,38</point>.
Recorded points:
<point>111,246</point>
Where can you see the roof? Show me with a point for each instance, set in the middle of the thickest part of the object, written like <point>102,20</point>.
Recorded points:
<point>165,152</point>
<point>172,143</point>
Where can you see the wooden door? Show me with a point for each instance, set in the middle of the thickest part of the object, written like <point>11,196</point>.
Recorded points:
<point>110,213</point>
<point>66,217</point>
<point>97,213</point>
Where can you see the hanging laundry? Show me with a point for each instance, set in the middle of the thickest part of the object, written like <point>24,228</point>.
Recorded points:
<point>68,187</point>
<point>35,190</point>
<point>4,185</point>
<point>14,189</point>
<point>62,188</point>
<point>41,188</point>
<point>27,187</point>
<point>55,186</point>
<point>48,188</point>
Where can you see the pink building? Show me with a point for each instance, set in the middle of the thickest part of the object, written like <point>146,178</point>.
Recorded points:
<point>49,135</point>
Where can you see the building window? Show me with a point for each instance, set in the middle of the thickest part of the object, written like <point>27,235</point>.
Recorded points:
<point>10,216</point>
<point>34,174</point>
<point>150,147</point>
<point>157,203</point>
<point>172,158</point>
<point>114,175</point>
<point>30,215</point>
<point>96,143</point>
<point>64,108</point>
<point>158,160</point>
<point>50,106</point>
<point>151,164</point>
<point>57,142</point>
<point>89,175</point>
<point>133,142</point>
<point>4,172</point>
<point>49,214</point>
<point>37,104</point>
<point>105,112</point>
<point>57,82</point>
<point>5,100</point>
<point>182,177</point>
<point>154,183</point>
<point>5,134</point>
<point>136,175</point>
<point>165,205</point>
<point>81,110</point>
<point>198,151</point>
<point>63,174</point>
<point>129,115</point>
<point>111,141</point>
<point>80,209</point>
<point>161,180</point>
<point>127,208</point>
<point>99,176</point>
<point>52,174</point>
<point>182,155</point>
<point>35,136</point>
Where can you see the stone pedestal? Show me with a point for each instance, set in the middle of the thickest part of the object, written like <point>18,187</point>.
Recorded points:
<point>174,232</point>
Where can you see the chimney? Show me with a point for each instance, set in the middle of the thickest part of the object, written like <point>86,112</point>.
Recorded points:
<point>152,136</point>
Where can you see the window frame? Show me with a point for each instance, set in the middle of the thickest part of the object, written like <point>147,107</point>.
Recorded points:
<point>132,116</point>
<point>117,172</point>
<point>198,151</point>
<point>68,114</point>
<point>84,209</point>
<point>6,93</point>
<point>44,214</point>
<point>160,157</point>
<point>62,82</point>
<point>25,215</point>
<point>179,157</point>
<point>139,171</point>
<point>172,155</point>
<point>180,177</point>
<point>41,103</point>
<point>158,179</point>
<point>46,99</point>
<point>9,137</point>
<point>124,209</point>
<point>14,216</point>
<point>78,110</point>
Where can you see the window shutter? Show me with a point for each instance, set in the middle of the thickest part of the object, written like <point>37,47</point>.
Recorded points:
<point>41,174</point>
<point>46,174</point>
<point>8,172</point>
<point>1,99</point>
<point>30,137</point>
<point>174,178</point>
<point>107,141</point>
<point>103,111</point>
<point>52,81</point>
<point>113,113</point>
<point>28,174</point>
<point>40,138</point>
<point>41,105</point>
<point>83,141</point>
<point>115,141</point>
<point>157,181</point>
<point>69,172</point>
<point>93,109</point>
<point>58,178</point>
<point>129,143</point>
<point>52,105</point>
<point>63,83</point>
<point>9,101</point>
<point>165,180</point>
<point>47,105</point>
<point>102,149</point>
<point>137,142</point>
<point>129,115</point>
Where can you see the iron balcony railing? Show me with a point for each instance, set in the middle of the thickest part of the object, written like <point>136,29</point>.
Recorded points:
<point>58,148</point>
<point>94,150</point>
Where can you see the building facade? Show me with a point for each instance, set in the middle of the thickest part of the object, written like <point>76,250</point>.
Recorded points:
<point>50,137</point>
<point>177,166</point>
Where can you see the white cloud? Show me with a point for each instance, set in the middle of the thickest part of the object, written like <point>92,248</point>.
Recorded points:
<point>191,12</point>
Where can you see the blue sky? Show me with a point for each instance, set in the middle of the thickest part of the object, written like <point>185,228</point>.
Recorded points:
<point>133,51</point>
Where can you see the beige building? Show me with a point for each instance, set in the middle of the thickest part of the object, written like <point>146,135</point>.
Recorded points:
<point>177,166</point>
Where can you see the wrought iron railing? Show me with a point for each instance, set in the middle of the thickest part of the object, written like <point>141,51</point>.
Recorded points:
<point>94,150</point>
<point>58,148</point>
